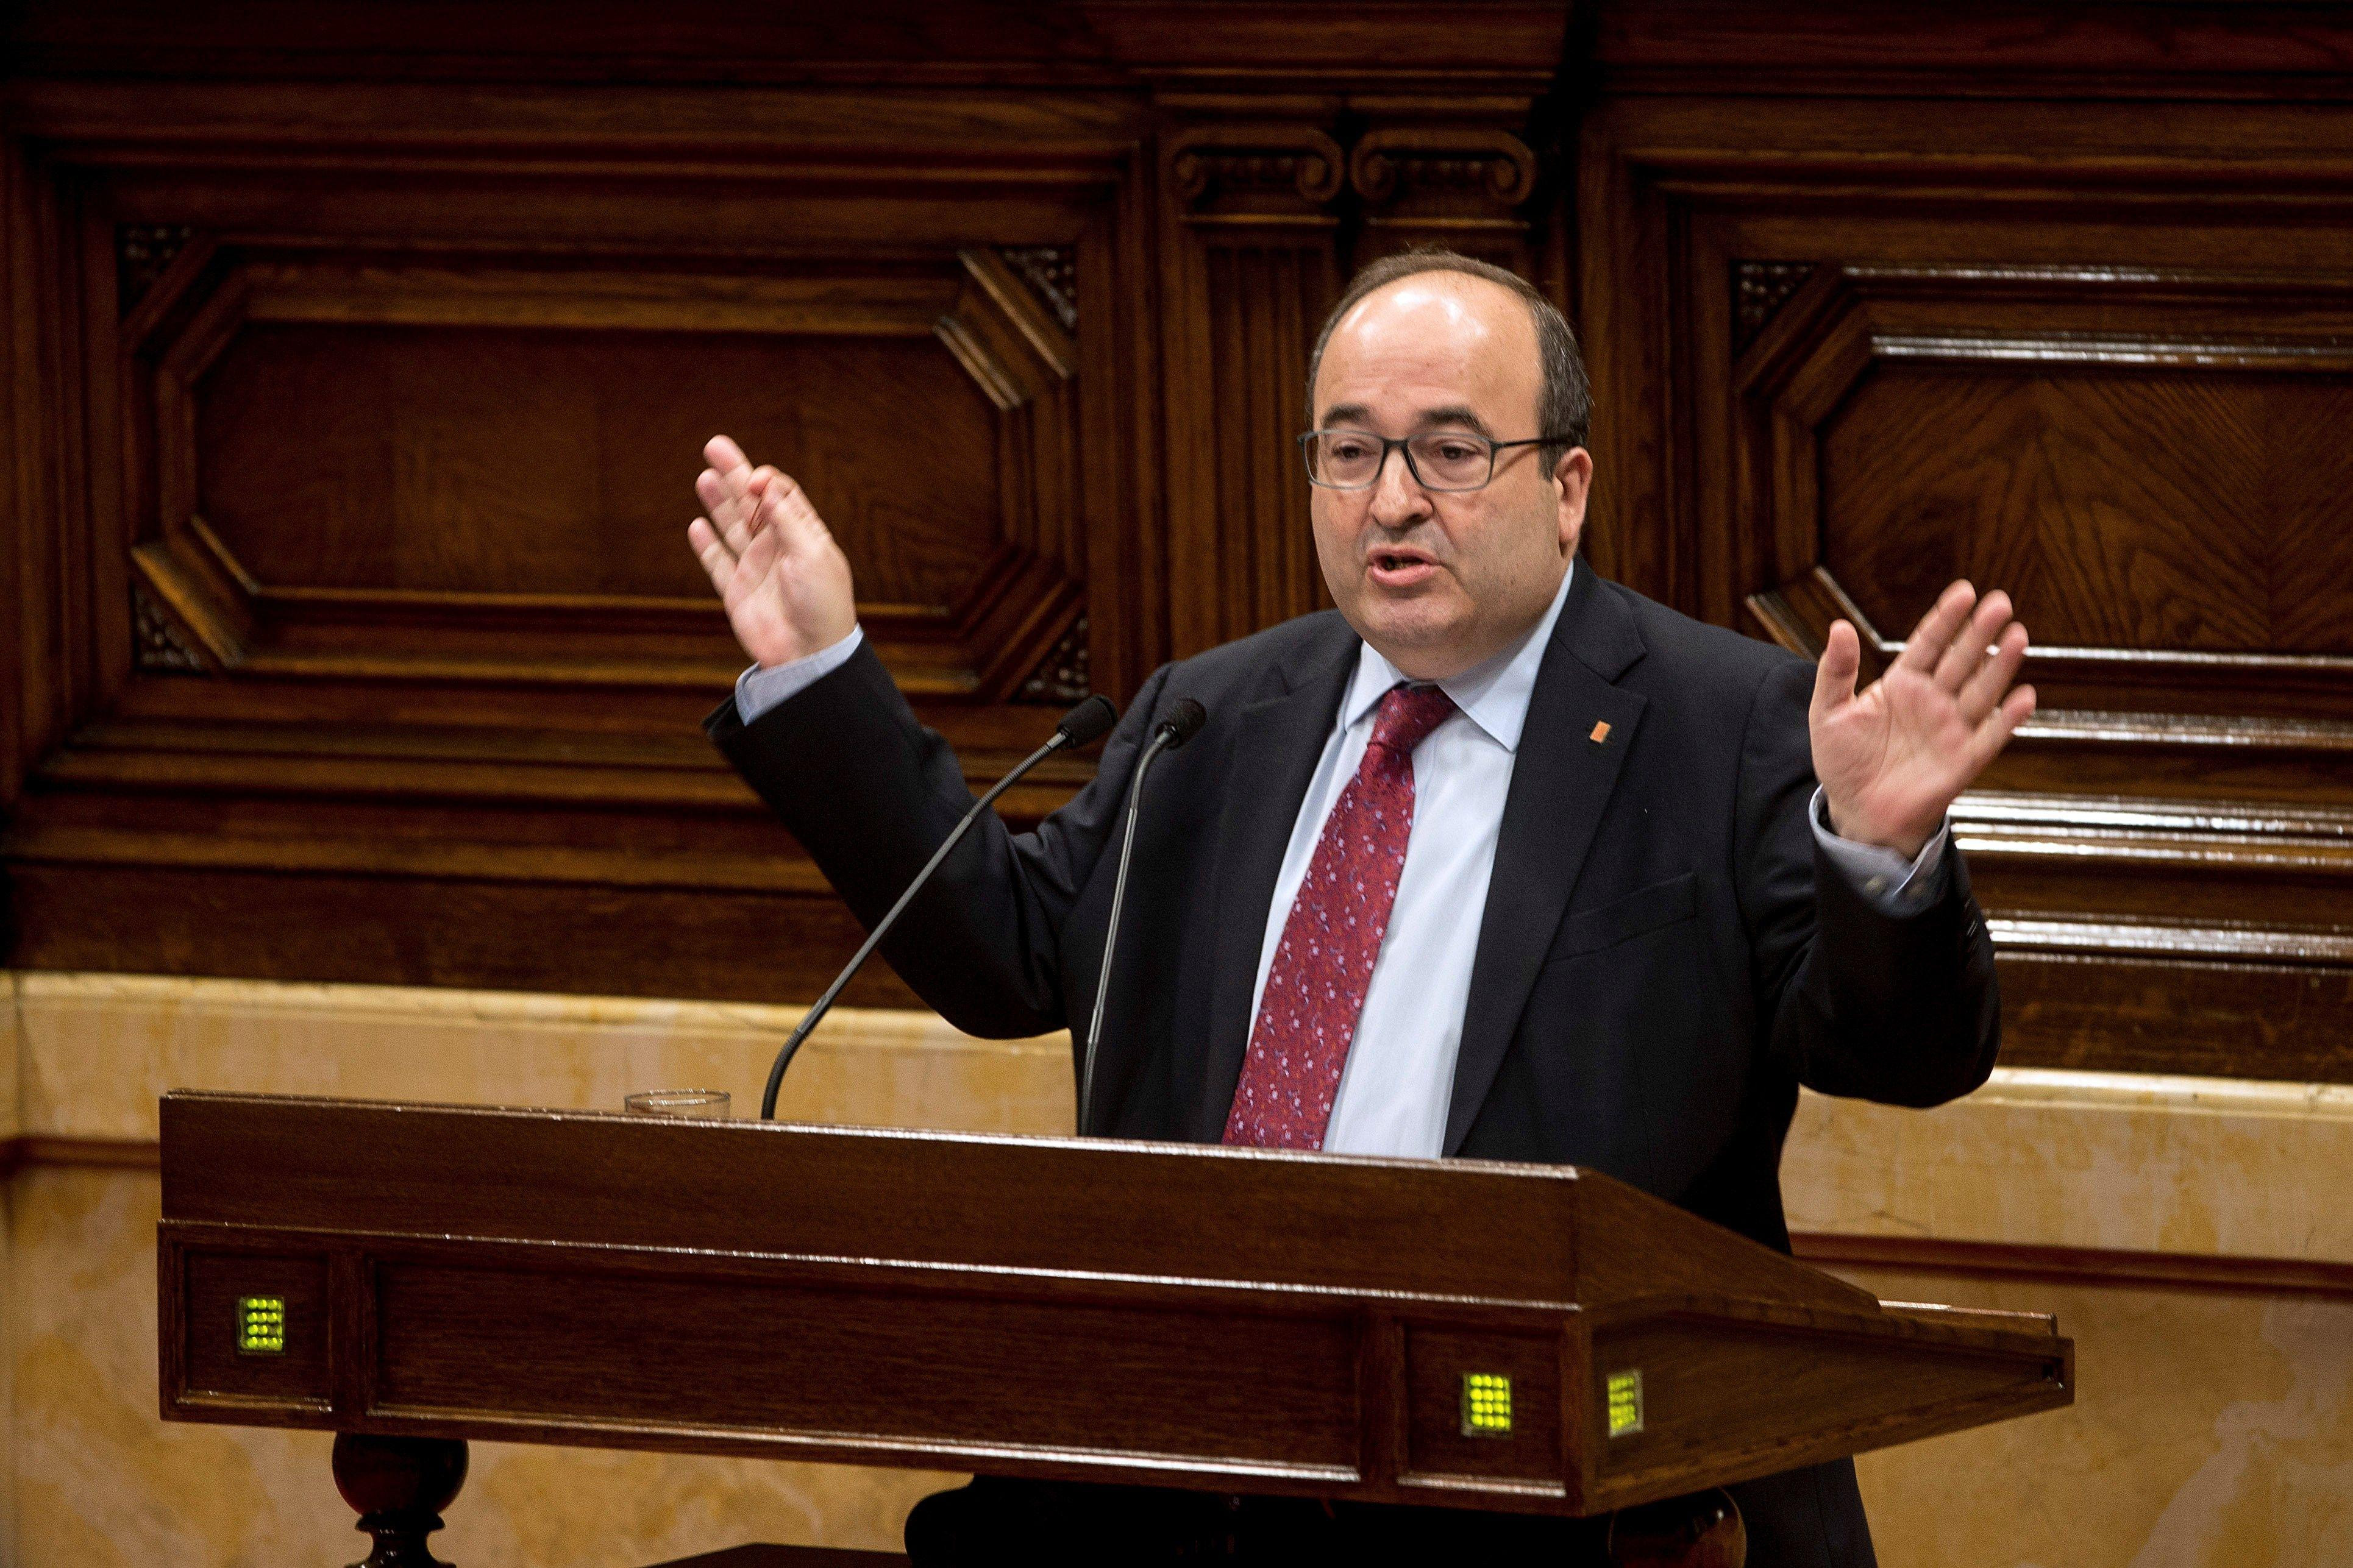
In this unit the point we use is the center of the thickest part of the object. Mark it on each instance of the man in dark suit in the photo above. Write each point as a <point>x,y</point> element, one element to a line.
<point>1498,859</point>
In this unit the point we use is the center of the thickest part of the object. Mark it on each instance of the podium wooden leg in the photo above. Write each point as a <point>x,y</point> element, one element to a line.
<point>1703,1530</point>
<point>398,1486</point>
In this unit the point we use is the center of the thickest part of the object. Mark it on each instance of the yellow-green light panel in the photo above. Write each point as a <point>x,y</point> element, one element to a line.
<point>261,1325</point>
<point>1625,1390</point>
<point>1486,1405</point>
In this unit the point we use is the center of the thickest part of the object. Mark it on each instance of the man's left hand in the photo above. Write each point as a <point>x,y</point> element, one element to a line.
<point>1892,759</point>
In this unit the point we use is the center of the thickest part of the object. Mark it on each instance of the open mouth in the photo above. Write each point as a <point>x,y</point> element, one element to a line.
<point>1400,568</point>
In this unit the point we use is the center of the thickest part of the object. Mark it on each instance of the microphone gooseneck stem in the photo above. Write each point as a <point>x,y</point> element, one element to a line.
<point>1161,740</point>
<point>883,927</point>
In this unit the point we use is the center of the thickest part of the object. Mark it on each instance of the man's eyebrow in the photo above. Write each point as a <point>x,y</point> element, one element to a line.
<point>1356,415</point>
<point>1454,414</point>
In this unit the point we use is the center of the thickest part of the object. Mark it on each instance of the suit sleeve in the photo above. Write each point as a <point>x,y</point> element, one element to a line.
<point>1856,999</point>
<point>870,794</point>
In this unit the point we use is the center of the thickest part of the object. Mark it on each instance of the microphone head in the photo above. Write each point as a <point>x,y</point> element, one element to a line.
<point>1087,722</point>
<point>1184,721</point>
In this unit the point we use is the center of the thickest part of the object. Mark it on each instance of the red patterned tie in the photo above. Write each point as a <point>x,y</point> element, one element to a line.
<point>1315,987</point>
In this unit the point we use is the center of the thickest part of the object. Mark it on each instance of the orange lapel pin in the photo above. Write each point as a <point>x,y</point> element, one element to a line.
<point>1600,731</point>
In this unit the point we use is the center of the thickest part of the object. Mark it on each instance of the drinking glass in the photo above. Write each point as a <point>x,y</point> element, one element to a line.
<point>704,1102</point>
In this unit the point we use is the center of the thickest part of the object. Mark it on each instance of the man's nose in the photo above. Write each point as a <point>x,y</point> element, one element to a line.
<point>1397,497</point>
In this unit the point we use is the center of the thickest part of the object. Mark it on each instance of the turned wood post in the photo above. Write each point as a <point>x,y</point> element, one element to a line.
<point>399,1486</point>
<point>1703,1530</point>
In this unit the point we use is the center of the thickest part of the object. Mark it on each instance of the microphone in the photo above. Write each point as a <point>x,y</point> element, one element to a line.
<point>1081,726</point>
<point>1184,720</point>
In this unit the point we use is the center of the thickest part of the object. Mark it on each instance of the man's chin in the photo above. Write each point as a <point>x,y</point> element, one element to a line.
<point>1418,638</point>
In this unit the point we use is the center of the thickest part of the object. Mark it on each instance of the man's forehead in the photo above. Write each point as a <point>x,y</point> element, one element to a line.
<point>1440,338</point>
<point>1422,306</point>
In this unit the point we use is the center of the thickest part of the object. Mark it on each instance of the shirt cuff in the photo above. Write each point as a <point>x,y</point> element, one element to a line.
<point>759,688</point>
<point>1894,885</point>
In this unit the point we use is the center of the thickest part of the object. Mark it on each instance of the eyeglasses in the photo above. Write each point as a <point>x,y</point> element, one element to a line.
<point>1439,460</point>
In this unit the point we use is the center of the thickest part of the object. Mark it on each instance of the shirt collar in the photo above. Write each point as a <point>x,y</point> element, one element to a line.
<point>1493,695</point>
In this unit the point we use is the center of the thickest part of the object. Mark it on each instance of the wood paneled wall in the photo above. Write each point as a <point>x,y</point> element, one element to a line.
<point>2061,298</point>
<point>362,358</point>
<point>358,362</point>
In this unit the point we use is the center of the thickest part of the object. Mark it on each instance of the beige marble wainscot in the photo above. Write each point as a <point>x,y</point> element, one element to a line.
<point>2210,1431</point>
<point>11,1042</point>
<point>99,1480</point>
<point>96,1050</point>
<point>2195,1237</point>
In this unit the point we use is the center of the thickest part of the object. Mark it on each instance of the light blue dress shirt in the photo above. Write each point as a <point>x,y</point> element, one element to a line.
<point>1399,1076</point>
<point>757,689</point>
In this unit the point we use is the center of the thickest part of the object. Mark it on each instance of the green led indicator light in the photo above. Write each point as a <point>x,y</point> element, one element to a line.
<point>1486,1405</point>
<point>1625,1404</point>
<point>261,1325</point>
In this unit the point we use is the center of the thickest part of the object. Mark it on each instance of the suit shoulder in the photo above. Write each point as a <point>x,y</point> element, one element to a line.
<point>1695,651</point>
<point>1302,638</point>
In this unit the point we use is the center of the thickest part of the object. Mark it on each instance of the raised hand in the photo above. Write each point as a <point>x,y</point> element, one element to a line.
<point>1892,760</point>
<point>784,582</point>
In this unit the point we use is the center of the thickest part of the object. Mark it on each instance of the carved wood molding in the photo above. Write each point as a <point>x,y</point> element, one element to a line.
<point>1463,187</point>
<point>1464,48</point>
<point>2155,937</point>
<point>2163,827</point>
<point>159,643</point>
<point>1052,273</point>
<point>1492,167</point>
<point>237,613</point>
<point>1760,289</point>
<point>2172,1012</point>
<point>2295,704</point>
<point>1468,174</point>
<point>1236,172</point>
<point>2198,51</point>
<point>1836,328</point>
<point>143,252</point>
<point>1064,678</point>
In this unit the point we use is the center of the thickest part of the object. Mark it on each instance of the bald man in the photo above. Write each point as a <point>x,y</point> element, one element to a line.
<point>1496,859</point>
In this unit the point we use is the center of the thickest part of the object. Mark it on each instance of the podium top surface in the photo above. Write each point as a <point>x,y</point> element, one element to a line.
<point>1460,1230</point>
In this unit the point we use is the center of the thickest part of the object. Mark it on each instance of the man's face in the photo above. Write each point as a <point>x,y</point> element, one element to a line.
<point>1439,580</point>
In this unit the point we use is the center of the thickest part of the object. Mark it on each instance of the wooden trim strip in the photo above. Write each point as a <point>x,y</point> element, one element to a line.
<point>2077,1265</point>
<point>88,1153</point>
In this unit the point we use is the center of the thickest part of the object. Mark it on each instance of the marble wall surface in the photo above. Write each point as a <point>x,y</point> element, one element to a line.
<point>2213,1429</point>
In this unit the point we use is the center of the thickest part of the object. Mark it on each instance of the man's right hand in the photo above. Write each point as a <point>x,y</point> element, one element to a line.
<point>784,582</point>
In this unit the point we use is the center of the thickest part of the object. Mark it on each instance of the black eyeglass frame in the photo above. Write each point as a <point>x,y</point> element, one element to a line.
<point>1401,443</point>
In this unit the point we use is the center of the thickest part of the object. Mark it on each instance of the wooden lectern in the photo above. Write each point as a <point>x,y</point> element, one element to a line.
<point>1484,1335</point>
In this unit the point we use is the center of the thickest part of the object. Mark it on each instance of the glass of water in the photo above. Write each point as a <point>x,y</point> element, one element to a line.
<point>710,1103</point>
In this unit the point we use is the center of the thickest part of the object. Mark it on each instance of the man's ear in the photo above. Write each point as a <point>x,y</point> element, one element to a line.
<point>1573,476</point>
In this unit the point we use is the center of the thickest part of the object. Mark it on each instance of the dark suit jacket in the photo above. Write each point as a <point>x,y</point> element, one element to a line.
<point>1661,960</point>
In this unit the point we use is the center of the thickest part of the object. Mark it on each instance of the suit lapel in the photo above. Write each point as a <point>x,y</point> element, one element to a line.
<point>1561,780</point>
<point>1276,748</point>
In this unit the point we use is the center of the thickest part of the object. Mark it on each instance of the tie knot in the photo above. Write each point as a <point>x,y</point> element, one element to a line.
<point>1406,715</point>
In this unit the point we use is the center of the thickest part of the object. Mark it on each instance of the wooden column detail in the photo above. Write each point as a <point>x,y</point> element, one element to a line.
<point>399,1487</point>
<point>1458,186</point>
<point>1253,264</point>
